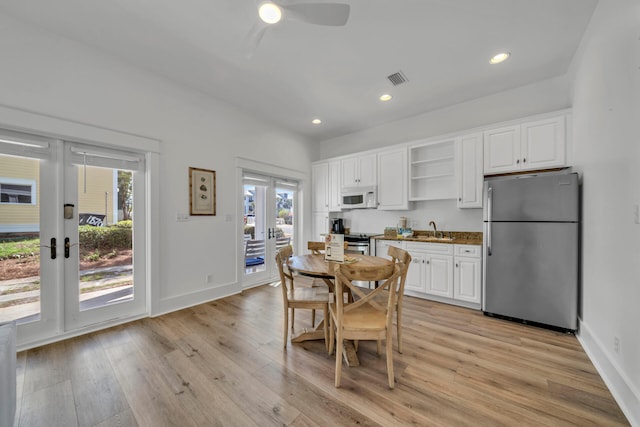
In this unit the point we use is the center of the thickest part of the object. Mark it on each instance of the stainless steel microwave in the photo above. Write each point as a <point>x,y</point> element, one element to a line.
<point>359,198</point>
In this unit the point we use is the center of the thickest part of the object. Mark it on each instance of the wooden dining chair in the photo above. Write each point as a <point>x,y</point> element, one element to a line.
<point>367,318</point>
<point>403,259</point>
<point>301,297</point>
<point>317,248</point>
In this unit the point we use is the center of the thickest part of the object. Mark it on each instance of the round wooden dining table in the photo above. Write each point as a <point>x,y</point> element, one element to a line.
<point>314,265</point>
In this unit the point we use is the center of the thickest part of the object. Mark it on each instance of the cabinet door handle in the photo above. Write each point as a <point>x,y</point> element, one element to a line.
<point>524,160</point>
<point>518,161</point>
<point>456,265</point>
<point>427,261</point>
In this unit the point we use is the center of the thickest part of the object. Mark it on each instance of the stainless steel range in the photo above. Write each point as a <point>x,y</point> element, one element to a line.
<point>359,243</point>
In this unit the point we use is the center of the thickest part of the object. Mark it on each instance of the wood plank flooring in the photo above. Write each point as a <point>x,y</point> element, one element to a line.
<point>223,364</point>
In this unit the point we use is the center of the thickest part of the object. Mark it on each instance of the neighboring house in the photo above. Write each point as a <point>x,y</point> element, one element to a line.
<point>20,194</point>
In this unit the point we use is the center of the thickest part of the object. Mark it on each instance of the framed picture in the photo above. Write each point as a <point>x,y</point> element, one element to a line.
<point>202,192</point>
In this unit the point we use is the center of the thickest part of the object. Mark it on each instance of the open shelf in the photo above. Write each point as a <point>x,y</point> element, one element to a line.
<point>432,171</point>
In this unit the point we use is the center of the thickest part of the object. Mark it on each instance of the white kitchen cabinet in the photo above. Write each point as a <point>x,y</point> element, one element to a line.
<point>432,171</point>
<point>532,145</point>
<point>320,187</point>
<point>444,272</point>
<point>382,247</point>
<point>467,275</point>
<point>415,281</point>
<point>392,180</point>
<point>359,171</point>
<point>334,187</point>
<point>469,170</point>
<point>320,225</point>
<point>433,273</point>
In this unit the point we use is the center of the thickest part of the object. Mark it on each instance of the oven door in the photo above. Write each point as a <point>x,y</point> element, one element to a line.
<point>359,248</point>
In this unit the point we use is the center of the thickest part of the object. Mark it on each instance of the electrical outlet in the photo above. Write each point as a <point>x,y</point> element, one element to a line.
<point>616,345</point>
<point>636,214</point>
<point>182,217</point>
<point>209,278</point>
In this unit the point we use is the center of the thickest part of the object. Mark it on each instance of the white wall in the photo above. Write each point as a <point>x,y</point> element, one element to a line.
<point>444,212</point>
<point>50,75</point>
<point>607,151</point>
<point>537,98</point>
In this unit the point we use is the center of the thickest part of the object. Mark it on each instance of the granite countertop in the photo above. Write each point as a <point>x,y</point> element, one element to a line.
<point>457,237</point>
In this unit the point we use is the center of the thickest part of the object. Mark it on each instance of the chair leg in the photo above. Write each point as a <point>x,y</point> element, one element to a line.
<point>338,357</point>
<point>286,325</point>
<point>293,317</point>
<point>379,347</point>
<point>399,327</point>
<point>331,335</point>
<point>390,359</point>
<point>326,327</point>
<point>313,318</point>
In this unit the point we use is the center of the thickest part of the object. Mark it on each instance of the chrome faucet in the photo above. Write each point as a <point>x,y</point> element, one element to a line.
<point>435,230</point>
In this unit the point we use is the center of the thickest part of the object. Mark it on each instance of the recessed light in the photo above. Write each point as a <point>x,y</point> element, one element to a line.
<point>385,97</point>
<point>270,13</point>
<point>316,121</point>
<point>502,56</point>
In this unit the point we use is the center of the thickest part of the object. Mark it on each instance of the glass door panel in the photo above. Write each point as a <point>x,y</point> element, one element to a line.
<point>105,237</point>
<point>269,217</point>
<point>256,228</point>
<point>28,264</point>
<point>107,189</point>
<point>20,239</point>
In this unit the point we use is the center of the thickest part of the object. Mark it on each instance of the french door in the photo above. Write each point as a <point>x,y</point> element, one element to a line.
<point>61,213</point>
<point>269,207</point>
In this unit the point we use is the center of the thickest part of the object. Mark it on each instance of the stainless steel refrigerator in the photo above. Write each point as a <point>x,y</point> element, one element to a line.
<point>531,248</point>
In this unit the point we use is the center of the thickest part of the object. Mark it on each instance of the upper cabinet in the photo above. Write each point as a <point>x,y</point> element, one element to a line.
<point>359,171</point>
<point>432,171</point>
<point>469,174</point>
<point>392,180</point>
<point>335,184</point>
<point>325,179</point>
<point>539,144</point>
<point>320,183</point>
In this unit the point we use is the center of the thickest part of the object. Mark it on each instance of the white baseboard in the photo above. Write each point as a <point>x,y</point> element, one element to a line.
<point>168,305</point>
<point>623,391</point>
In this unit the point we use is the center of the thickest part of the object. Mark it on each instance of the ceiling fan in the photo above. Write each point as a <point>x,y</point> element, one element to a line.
<point>270,13</point>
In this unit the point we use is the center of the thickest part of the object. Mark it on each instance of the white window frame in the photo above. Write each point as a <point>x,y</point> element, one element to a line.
<point>21,181</point>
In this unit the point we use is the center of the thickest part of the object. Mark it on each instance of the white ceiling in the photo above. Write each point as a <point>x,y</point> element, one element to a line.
<point>301,71</point>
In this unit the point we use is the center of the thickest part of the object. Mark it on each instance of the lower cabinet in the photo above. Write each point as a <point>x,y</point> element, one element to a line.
<point>433,273</point>
<point>467,273</point>
<point>441,272</point>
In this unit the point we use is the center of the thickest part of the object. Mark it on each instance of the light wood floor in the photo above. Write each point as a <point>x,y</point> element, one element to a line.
<point>222,363</point>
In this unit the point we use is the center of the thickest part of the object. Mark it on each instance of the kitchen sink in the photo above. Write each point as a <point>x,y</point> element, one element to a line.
<point>433,239</point>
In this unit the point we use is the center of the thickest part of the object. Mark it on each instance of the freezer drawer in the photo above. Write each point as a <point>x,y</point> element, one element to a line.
<point>531,272</point>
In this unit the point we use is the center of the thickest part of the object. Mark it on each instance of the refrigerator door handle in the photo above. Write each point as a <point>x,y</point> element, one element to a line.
<point>489,218</point>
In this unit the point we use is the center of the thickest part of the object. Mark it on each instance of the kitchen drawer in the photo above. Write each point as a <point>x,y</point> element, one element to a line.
<point>434,248</point>
<point>468,250</point>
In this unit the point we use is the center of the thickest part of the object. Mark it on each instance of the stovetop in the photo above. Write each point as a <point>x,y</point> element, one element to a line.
<point>359,237</point>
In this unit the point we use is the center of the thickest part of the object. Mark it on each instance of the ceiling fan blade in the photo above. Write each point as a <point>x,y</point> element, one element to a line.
<point>333,14</point>
<point>253,37</point>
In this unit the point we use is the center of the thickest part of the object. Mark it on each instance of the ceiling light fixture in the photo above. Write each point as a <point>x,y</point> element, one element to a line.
<point>270,13</point>
<point>503,56</point>
<point>385,97</point>
<point>316,121</point>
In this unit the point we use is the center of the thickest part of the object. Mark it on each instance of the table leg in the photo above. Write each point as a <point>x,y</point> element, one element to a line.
<point>310,334</point>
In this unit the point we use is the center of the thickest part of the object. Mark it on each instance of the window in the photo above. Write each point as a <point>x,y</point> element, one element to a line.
<point>17,191</point>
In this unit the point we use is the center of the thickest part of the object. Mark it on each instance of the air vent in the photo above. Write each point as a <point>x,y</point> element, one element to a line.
<point>397,78</point>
